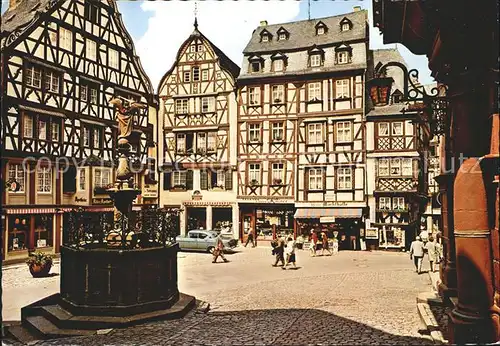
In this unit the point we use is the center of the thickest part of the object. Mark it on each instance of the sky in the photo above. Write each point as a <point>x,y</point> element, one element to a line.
<point>158,28</point>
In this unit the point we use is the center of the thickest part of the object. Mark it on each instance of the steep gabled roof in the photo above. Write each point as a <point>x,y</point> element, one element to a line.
<point>304,33</point>
<point>225,62</point>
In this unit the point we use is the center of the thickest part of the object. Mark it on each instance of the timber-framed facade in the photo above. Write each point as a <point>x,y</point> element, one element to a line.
<point>301,128</point>
<point>197,126</point>
<point>62,62</point>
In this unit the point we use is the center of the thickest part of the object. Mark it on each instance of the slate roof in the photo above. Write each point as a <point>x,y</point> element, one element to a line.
<point>387,110</point>
<point>386,55</point>
<point>303,33</point>
<point>22,14</point>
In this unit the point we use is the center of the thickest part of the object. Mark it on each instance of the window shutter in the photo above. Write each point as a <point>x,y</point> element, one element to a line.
<point>189,142</point>
<point>213,180</point>
<point>306,182</point>
<point>204,179</point>
<point>167,181</point>
<point>189,180</point>
<point>69,179</point>
<point>323,171</point>
<point>229,180</point>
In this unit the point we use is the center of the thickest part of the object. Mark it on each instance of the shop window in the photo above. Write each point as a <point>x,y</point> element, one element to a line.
<point>43,230</point>
<point>393,237</point>
<point>17,174</point>
<point>344,178</point>
<point>19,228</point>
<point>44,175</point>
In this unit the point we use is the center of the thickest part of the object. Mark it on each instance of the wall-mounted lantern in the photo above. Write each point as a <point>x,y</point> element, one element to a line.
<point>380,90</point>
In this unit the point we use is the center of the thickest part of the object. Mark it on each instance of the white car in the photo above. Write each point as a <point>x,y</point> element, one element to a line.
<point>203,240</point>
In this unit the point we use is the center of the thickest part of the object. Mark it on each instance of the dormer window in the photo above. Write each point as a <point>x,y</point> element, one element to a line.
<point>345,24</point>
<point>282,36</point>
<point>278,65</point>
<point>315,60</point>
<point>321,28</point>
<point>265,38</point>
<point>342,57</point>
<point>278,62</point>
<point>316,57</point>
<point>343,54</point>
<point>255,67</point>
<point>256,64</point>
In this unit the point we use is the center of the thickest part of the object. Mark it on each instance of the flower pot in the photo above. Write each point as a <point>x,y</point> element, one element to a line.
<point>40,271</point>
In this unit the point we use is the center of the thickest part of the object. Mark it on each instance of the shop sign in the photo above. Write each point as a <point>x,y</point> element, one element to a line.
<point>327,219</point>
<point>371,233</point>
<point>105,201</point>
<point>335,204</point>
<point>150,191</point>
<point>41,243</point>
<point>81,200</point>
<point>197,196</point>
<point>13,186</point>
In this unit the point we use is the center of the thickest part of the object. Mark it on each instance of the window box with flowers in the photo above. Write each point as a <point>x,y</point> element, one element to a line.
<point>254,182</point>
<point>178,188</point>
<point>277,182</point>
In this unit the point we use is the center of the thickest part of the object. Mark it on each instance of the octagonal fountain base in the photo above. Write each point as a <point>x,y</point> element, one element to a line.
<point>109,288</point>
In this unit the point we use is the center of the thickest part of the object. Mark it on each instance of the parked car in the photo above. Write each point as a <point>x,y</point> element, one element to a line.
<point>203,240</point>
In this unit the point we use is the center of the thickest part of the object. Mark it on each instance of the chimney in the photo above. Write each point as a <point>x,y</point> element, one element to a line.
<point>357,8</point>
<point>263,22</point>
<point>13,4</point>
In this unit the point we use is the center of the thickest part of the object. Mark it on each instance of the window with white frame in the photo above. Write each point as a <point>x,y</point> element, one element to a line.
<point>51,81</point>
<point>93,95</point>
<point>91,49</point>
<point>82,179</point>
<point>33,77</point>
<point>345,27</point>
<point>254,133</point>
<point>28,126</point>
<point>278,65</point>
<point>278,92</point>
<point>179,178</point>
<point>344,132</point>
<point>278,173</point>
<point>181,143</point>
<point>265,38</point>
<point>383,167</point>
<point>315,179</point>
<point>383,129</point>
<point>204,75</point>
<point>342,57</point>
<point>44,180</point>
<point>398,203</point>
<point>254,95</point>
<point>314,91</point>
<point>84,90</point>
<point>315,133</point>
<point>86,136</point>
<point>397,128</point>
<point>384,203</point>
<point>65,39</point>
<point>344,178</point>
<point>42,129</point>
<point>192,48</point>
<point>101,177</point>
<point>278,131</point>
<point>221,178</point>
<point>55,131</point>
<point>201,143</point>
<point>196,74</point>
<point>254,175</point>
<point>407,167</point>
<point>181,106</point>
<point>187,76</point>
<point>395,166</point>
<point>207,104</point>
<point>315,60</point>
<point>212,142</point>
<point>96,138</point>
<point>281,36</point>
<point>114,58</point>
<point>342,88</point>
<point>16,173</point>
<point>320,30</point>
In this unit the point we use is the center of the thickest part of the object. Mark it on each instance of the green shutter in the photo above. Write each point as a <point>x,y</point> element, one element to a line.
<point>189,180</point>
<point>204,179</point>
<point>167,181</point>
<point>229,180</point>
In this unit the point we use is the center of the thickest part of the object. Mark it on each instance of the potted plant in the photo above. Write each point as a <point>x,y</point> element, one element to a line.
<point>254,182</point>
<point>277,181</point>
<point>39,264</point>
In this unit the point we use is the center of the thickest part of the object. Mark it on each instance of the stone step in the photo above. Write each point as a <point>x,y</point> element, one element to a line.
<point>430,323</point>
<point>431,298</point>
<point>48,330</point>
<point>22,334</point>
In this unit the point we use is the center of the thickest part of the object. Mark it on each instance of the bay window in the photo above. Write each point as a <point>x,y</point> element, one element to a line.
<point>383,167</point>
<point>101,177</point>
<point>398,203</point>
<point>344,178</point>
<point>384,203</point>
<point>407,167</point>
<point>44,175</point>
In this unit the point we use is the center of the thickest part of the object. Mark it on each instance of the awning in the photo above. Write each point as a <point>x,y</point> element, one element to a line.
<point>11,211</point>
<point>316,213</point>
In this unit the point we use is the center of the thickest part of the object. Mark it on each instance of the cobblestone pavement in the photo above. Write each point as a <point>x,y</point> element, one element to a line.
<point>349,298</point>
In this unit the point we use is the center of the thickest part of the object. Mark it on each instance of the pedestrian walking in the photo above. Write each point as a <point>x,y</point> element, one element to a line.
<point>279,251</point>
<point>219,250</point>
<point>290,253</point>
<point>314,243</point>
<point>324,244</point>
<point>250,238</point>
<point>417,253</point>
<point>431,248</point>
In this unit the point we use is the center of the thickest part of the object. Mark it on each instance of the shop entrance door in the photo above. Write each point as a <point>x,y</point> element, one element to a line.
<point>247,224</point>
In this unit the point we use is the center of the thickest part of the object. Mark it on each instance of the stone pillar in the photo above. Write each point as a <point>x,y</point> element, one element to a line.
<point>209,218</point>
<point>236,221</point>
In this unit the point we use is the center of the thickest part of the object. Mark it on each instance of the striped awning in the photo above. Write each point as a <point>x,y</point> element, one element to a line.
<point>34,210</point>
<point>316,213</point>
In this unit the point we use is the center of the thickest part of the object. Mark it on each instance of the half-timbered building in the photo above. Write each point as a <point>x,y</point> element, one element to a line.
<point>396,160</point>
<point>301,131</point>
<point>197,126</point>
<point>62,62</point>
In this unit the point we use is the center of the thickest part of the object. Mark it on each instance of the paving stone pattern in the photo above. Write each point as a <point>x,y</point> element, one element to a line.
<point>349,298</point>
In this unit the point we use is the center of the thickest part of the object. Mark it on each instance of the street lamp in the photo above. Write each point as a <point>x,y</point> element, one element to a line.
<point>380,90</point>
